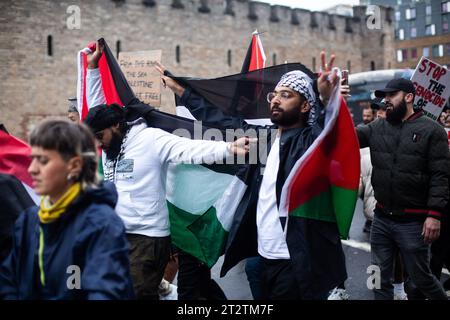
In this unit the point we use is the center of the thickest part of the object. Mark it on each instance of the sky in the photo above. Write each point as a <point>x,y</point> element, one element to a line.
<point>312,5</point>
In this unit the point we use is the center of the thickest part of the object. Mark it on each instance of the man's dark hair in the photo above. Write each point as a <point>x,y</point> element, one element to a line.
<point>104,116</point>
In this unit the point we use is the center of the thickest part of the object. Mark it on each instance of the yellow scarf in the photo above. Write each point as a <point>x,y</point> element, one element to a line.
<point>49,213</point>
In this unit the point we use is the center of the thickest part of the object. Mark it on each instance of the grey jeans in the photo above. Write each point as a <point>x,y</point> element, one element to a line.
<point>389,236</point>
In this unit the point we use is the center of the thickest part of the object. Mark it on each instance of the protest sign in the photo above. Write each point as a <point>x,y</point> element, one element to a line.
<point>432,83</point>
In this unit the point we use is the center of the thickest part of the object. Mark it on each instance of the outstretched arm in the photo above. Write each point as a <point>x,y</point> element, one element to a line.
<point>175,149</point>
<point>201,108</point>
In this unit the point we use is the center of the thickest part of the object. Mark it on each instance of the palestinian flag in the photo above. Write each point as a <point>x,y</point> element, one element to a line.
<point>323,184</point>
<point>201,200</point>
<point>15,183</point>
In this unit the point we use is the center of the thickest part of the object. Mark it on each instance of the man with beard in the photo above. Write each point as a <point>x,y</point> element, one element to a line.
<point>368,115</point>
<point>410,159</point>
<point>292,253</point>
<point>136,159</point>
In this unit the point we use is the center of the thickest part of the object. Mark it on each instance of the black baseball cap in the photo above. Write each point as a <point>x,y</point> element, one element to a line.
<point>395,85</point>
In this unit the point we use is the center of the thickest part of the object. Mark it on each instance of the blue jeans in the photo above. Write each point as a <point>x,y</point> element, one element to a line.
<point>389,236</point>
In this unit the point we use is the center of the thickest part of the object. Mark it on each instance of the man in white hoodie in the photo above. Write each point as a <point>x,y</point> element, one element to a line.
<point>136,159</point>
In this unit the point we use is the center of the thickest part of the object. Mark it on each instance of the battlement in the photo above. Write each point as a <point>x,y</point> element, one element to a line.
<point>260,12</point>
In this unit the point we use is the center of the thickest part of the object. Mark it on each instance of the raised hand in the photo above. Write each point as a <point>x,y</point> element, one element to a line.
<point>169,82</point>
<point>93,58</point>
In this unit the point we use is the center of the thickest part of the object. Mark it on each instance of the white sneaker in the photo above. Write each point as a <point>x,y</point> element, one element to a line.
<point>338,294</point>
<point>400,296</point>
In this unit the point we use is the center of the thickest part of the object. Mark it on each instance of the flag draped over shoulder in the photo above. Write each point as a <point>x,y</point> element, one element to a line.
<point>323,184</point>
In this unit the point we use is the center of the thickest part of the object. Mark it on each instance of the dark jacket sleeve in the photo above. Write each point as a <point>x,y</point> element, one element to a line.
<point>438,167</point>
<point>204,111</point>
<point>106,274</point>
<point>9,287</point>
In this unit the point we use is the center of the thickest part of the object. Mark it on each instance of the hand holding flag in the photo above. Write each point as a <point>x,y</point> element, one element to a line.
<point>93,58</point>
<point>167,81</point>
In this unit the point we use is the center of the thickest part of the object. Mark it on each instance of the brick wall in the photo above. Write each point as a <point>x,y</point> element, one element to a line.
<point>36,85</point>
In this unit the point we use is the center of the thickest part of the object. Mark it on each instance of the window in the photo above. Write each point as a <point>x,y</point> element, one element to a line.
<point>229,58</point>
<point>426,52</point>
<point>49,46</point>
<point>447,49</point>
<point>445,6</point>
<point>413,53</point>
<point>430,30</point>
<point>398,15</point>
<point>445,19</point>
<point>372,65</point>
<point>413,32</point>
<point>314,64</point>
<point>274,59</point>
<point>399,56</point>
<point>401,34</point>
<point>405,54</point>
<point>410,13</point>
<point>438,50</point>
<point>349,66</point>
<point>428,10</point>
<point>177,54</point>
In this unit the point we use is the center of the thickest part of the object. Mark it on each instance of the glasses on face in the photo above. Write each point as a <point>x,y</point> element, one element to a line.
<point>283,95</point>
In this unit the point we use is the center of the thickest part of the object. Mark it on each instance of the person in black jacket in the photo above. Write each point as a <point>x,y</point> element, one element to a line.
<point>410,159</point>
<point>302,259</point>
<point>73,245</point>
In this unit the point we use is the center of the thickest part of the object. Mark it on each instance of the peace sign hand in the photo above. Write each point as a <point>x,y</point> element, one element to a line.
<point>328,78</point>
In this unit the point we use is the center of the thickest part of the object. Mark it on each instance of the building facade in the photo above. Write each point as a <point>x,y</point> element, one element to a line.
<point>421,29</point>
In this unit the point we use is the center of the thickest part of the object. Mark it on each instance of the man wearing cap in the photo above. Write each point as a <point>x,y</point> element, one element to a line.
<point>136,159</point>
<point>303,258</point>
<point>410,161</point>
<point>72,112</point>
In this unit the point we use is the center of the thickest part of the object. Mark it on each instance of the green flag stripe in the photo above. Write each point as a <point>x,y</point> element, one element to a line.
<point>320,207</point>
<point>202,236</point>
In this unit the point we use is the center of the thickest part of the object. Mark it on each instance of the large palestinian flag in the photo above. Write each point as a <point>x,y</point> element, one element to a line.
<point>201,199</point>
